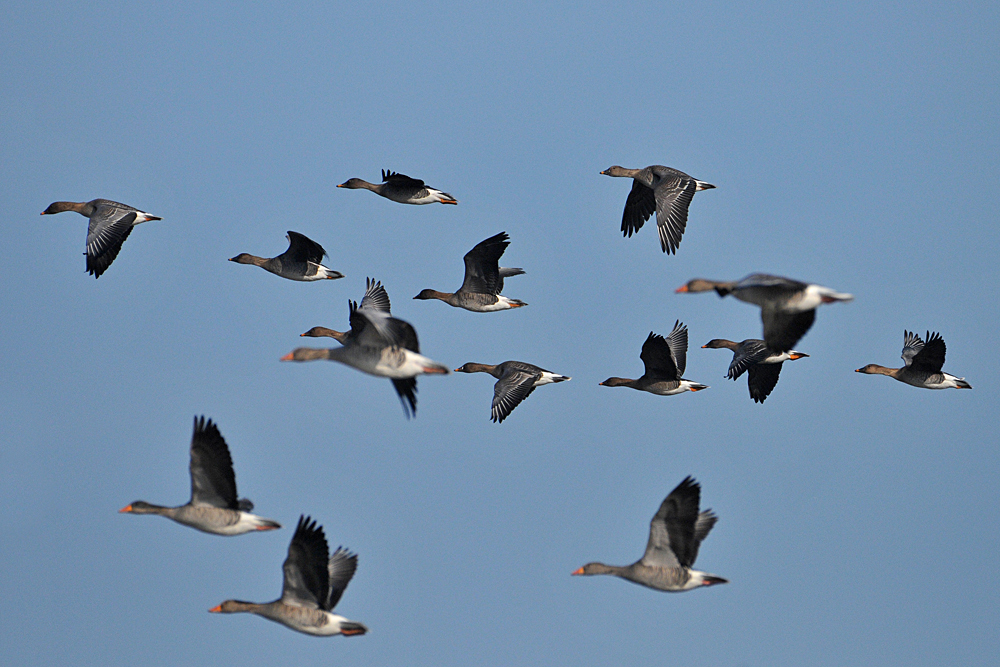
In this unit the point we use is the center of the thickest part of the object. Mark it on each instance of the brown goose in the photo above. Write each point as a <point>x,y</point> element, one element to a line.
<point>515,382</point>
<point>664,190</point>
<point>923,364</point>
<point>761,364</point>
<point>213,507</point>
<point>675,533</point>
<point>300,262</point>
<point>480,292</point>
<point>665,360</point>
<point>314,582</point>
<point>110,225</point>
<point>787,307</point>
<point>402,189</point>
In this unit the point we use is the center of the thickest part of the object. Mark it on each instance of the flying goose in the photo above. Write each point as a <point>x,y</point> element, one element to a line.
<point>213,507</point>
<point>675,533</point>
<point>375,298</point>
<point>402,189</point>
<point>300,262</point>
<point>515,382</point>
<point>110,224</point>
<point>313,584</point>
<point>761,364</point>
<point>480,292</point>
<point>379,345</point>
<point>664,190</point>
<point>923,364</point>
<point>664,360</point>
<point>787,307</point>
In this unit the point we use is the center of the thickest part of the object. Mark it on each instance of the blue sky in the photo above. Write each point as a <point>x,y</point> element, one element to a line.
<point>851,145</point>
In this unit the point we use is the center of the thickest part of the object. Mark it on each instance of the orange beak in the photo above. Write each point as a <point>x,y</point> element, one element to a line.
<point>681,289</point>
<point>576,572</point>
<point>287,357</point>
<point>216,609</point>
<point>126,509</point>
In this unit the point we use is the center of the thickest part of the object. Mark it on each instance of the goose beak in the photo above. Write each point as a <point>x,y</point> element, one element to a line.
<point>681,289</point>
<point>125,510</point>
<point>578,571</point>
<point>217,609</point>
<point>287,357</point>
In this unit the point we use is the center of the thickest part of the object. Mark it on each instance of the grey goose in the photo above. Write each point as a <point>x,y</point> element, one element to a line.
<point>663,190</point>
<point>313,583</point>
<point>787,307</point>
<point>110,224</point>
<point>214,507</point>
<point>675,533</point>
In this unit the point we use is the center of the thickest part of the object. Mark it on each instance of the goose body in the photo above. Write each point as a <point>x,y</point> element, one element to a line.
<point>665,360</point>
<point>515,382</point>
<point>663,190</point>
<point>480,291</point>
<point>214,507</point>
<point>675,534</point>
<point>787,307</point>
<point>761,364</point>
<point>377,344</point>
<point>313,583</point>
<point>302,261</point>
<point>402,189</point>
<point>923,363</point>
<point>110,224</point>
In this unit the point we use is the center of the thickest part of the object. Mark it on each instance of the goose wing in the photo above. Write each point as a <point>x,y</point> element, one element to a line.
<point>673,197</point>
<point>482,268</point>
<point>782,330</point>
<point>657,358</point>
<point>672,536</point>
<point>375,297</point>
<point>513,387</point>
<point>912,344</point>
<point>109,227</point>
<point>213,482</point>
<point>307,577</point>
<point>761,380</point>
<point>749,352</point>
<point>641,204</point>
<point>301,248</point>
<point>341,568</point>
<point>931,357</point>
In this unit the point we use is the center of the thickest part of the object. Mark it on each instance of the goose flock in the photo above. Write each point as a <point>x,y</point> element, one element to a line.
<point>380,344</point>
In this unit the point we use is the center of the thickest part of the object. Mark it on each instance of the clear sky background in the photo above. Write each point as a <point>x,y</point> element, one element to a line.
<point>854,145</point>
